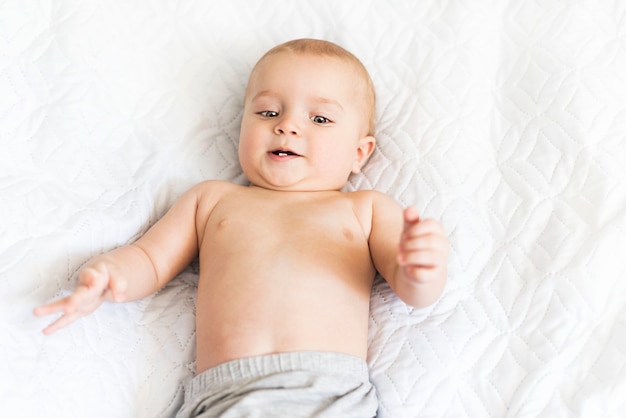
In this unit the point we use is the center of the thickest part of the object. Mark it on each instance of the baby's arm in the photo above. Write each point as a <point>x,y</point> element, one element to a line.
<point>133,271</point>
<point>416,267</point>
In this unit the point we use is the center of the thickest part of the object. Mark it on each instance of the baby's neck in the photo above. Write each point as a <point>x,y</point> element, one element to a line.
<point>292,192</point>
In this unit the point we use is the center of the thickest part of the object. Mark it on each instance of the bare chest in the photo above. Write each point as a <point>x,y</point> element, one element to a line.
<point>286,222</point>
<point>321,235</point>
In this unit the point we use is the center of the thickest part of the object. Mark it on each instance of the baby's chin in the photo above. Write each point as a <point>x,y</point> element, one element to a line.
<point>286,184</point>
<point>295,188</point>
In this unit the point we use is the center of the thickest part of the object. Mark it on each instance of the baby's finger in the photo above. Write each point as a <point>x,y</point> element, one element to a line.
<point>94,279</point>
<point>424,227</point>
<point>83,301</point>
<point>83,297</point>
<point>426,242</point>
<point>60,323</point>
<point>51,308</point>
<point>422,258</point>
<point>411,216</point>
<point>422,274</point>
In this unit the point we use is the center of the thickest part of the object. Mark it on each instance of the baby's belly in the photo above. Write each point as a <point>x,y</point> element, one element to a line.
<point>248,315</point>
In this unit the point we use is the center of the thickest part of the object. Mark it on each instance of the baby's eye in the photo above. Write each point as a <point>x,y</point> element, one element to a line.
<point>320,119</point>
<point>268,114</point>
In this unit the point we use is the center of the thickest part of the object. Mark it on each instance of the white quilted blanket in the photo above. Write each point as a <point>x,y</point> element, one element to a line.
<point>506,120</point>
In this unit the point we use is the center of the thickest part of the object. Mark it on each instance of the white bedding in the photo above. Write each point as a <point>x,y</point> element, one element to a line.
<point>506,120</point>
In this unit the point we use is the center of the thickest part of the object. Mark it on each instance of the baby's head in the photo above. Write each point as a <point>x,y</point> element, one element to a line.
<point>308,117</point>
<point>321,48</point>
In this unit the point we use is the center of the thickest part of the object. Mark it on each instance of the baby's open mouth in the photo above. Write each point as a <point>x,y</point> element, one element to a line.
<point>283,153</point>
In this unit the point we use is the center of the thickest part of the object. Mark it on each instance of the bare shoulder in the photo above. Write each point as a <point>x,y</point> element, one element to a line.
<point>205,195</point>
<point>213,186</point>
<point>372,206</point>
<point>210,192</point>
<point>371,199</point>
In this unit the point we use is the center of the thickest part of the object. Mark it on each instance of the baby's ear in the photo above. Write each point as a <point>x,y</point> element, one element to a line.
<point>364,150</point>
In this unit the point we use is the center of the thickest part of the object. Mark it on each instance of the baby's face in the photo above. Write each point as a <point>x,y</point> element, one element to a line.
<point>304,126</point>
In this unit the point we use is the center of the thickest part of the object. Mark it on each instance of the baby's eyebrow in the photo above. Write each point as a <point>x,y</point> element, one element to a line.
<point>325,100</point>
<point>316,99</point>
<point>264,93</point>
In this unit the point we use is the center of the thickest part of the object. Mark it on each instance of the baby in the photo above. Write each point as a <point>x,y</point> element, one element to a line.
<point>286,263</point>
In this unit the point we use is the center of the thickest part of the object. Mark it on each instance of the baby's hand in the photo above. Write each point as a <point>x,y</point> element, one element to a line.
<point>423,250</point>
<point>95,284</point>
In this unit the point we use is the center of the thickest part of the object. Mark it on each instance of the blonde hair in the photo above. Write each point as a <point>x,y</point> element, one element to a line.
<point>325,48</point>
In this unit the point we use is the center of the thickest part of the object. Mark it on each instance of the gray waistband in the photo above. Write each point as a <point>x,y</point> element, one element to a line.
<point>236,371</point>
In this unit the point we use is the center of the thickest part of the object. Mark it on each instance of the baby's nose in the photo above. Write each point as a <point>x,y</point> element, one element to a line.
<point>287,126</point>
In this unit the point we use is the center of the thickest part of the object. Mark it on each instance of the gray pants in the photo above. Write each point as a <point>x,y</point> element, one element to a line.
<point>302,384</point>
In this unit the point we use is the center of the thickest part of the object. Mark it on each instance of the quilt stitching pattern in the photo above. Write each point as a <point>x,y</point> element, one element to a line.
<point>505,120</point>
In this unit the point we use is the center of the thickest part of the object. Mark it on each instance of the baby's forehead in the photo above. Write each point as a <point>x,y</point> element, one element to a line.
<point>288,57</point>
<point>352,73</point>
